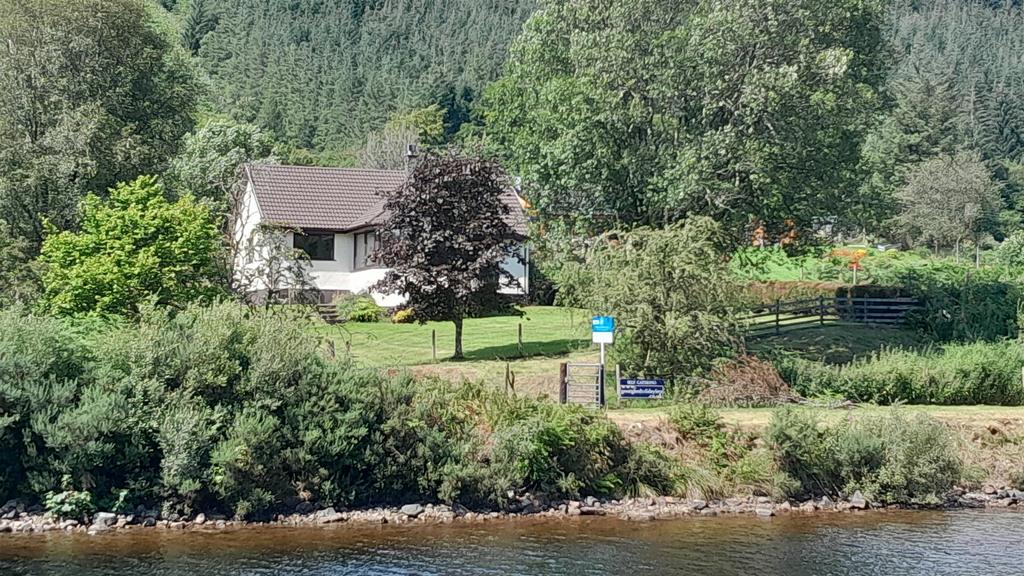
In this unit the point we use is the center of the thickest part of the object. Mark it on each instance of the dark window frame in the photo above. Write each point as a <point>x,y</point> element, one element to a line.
<point>361,236</point>
<point>325,239</point>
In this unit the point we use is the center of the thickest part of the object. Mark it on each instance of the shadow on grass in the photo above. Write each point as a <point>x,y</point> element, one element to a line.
<point>841,344</point>
<point>530,349</point>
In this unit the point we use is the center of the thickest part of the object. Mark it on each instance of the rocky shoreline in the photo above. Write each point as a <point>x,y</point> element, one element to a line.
<point>16,517</point>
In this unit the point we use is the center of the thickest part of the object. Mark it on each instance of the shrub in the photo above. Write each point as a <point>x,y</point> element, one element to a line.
<point>358,308</point>
<point>403,316</point>
<point>671,294</point>
<point>69,504</point>
<point>977,373</point>
<point>891,458</point>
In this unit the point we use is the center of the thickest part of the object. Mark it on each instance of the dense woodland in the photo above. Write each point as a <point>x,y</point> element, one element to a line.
<point>794,123</point>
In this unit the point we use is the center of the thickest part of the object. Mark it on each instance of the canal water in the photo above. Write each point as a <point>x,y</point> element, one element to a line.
<point>987,543</point>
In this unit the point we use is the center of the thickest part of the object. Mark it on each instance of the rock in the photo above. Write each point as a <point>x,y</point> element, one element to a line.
<point>989,489</point>
<point>149,521</point>
<point>765,512</point>
<point>857,501</point>
<point>412,510</point>
<point>826,503</point>
<point>200,519</point>
<point>808,506</point>
<point>699,504</point>
<point>785,507</point>
<point>591,501</point>
<point>592,511</point>
<point>709,512</point>
<point>105,518</point>
<point>9,515</point>
<point>178,525</point>
<point>328,516</point>
<point>305,508</point>
<point>97,528</point>
<point>764,500</point>
<point>575,504</point>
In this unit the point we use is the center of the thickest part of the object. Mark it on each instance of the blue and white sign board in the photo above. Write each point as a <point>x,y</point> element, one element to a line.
<point>603,329</point>
<point>641,388</point>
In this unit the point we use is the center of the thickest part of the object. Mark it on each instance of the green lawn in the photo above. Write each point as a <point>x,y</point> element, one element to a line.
<point>551,335</point>
<point>547,331</point>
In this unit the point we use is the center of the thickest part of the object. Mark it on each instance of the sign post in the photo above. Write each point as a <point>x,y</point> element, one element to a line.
<point>603,330</point>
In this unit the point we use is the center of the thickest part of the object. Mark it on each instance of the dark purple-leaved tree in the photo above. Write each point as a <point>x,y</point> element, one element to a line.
<point>445,237</point>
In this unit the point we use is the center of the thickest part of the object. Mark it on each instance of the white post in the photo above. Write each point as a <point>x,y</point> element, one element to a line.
<point>602,354</point>
<point>618,381</point>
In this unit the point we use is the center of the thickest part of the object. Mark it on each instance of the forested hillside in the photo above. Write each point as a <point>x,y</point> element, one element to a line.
<point>321,74</point>
<point>957,83</point>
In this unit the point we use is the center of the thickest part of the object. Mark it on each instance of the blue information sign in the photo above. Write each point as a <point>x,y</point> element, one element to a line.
<point>602,324</point>
<point>641,388</point>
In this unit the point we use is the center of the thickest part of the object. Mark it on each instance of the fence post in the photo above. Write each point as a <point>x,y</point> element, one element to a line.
<point>520,339</point>
<point>433,343</point>
<point>777,307</point>
<point>563,383</point>
<point>821,310</point>
<point>618,380</point>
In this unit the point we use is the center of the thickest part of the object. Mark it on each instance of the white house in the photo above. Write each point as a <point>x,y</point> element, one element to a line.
<point>337,211</point>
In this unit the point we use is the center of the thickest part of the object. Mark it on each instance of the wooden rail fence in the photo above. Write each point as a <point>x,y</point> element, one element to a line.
<point>785,315</point>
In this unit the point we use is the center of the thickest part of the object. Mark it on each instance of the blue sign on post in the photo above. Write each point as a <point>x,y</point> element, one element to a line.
<point>602,324</point>
<point>641,389</point>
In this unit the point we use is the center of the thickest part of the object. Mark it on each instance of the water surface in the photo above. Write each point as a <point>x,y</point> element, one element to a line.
<point>980,543</point>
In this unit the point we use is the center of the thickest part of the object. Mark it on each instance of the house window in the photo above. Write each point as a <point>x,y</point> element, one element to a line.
<point>319,245</point>
<point>366,245</point>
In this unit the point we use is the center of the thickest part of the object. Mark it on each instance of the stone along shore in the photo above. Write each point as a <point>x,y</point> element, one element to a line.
<point>16,517</point>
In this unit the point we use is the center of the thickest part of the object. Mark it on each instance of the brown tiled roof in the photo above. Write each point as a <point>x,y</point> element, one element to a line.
<point>339,199</point>
<point>323,198</point>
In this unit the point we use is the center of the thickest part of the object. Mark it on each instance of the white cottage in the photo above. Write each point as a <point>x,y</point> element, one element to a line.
<point>337,211</point>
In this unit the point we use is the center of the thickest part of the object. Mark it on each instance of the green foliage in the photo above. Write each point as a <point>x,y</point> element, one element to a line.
<point>234,408</point>
<point>278,65</point>
<point>207,166</point>
<point>19,276</point>
<point>976,373</point>
<point>358,308</point>
<point>636,110</point>
<point>110,100</point>
<point>135,247</point>
<point>959,303</point>
<point>69,504</point>
<point>949,199</point>
<point>670,293</point>
<point>1011,250</point>
<point>892,458</point>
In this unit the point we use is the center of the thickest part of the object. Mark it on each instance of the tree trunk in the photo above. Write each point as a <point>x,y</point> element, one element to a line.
<point>458,339</point>
<point>977,252</point>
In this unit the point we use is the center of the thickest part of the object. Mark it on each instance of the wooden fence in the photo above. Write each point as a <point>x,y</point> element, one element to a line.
<point>785,315</point>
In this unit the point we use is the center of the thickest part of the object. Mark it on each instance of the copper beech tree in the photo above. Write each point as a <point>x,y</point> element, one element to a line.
<point>445,238</point>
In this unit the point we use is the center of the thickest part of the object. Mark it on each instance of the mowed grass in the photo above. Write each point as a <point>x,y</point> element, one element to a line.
<point>547,331</point>
<point>551,335</point>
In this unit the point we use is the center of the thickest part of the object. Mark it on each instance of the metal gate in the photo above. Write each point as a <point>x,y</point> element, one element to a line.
<point>582,384</point>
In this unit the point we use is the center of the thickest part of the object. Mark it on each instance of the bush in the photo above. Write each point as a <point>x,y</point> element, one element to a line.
<point>404,316</point>
<point>236,409</point>
<point>890,458</point>
<point>977,373</point>
<point>358,308</point>
<point>69,504</point>
<point>670,292</point>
